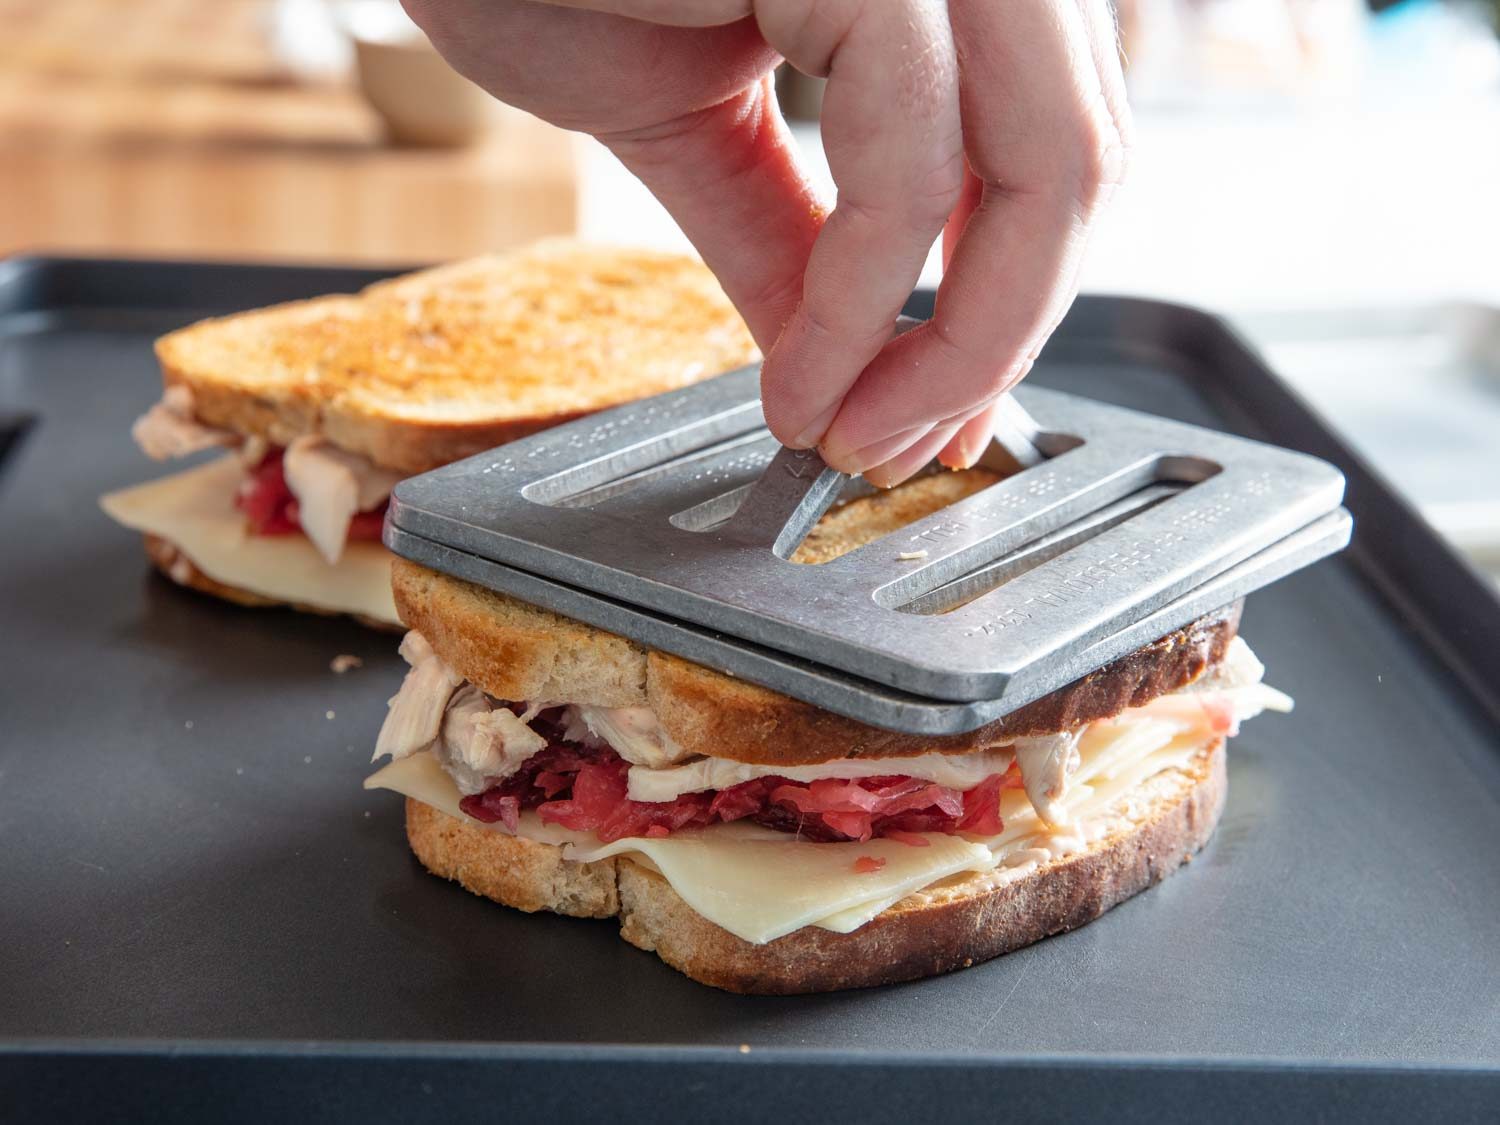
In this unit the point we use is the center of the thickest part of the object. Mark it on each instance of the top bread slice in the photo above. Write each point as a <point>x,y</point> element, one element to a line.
<point>433,366</point>
<point>515,651</point>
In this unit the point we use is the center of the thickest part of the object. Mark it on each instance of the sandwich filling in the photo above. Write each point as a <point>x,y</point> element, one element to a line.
<point>310,487</point>
<point>616,774</point>
<point>572,778</point>
<point>297,524</point>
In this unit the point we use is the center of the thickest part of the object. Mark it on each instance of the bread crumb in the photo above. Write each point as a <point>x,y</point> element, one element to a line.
<point>909,556</point>
<point>343,662</point>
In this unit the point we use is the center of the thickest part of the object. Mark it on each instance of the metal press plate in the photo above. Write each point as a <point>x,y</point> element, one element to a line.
<point>683,506</point>
<point>865,700</point>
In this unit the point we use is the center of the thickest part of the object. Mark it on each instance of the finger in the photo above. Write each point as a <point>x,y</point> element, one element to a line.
<point>1040,138</point>
<point>731,177</point>
<point>891,131</point>
<point>675,13</point>
<point>621,73</point>
<point>971,440</point>
<point>897,445</point>
<point>913,459</point>
<point>882,451</point>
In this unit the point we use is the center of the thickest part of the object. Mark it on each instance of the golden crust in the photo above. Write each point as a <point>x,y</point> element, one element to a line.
<point>519,873</point>
<point>958,923</point>
<point>425,369</point>
<point>516,651</point>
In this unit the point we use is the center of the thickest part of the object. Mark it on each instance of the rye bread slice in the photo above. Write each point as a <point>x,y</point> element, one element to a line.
<point>427,368</point>
<point>952,925</point>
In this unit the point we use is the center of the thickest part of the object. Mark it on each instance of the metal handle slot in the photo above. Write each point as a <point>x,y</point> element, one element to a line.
<point>695,477</point>
<point>1157,555</point>
<point>622,455</point>
<point>976,583</point>
<point>991,524</point>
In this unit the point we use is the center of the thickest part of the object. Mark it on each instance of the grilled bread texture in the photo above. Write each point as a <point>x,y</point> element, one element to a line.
<point>434,366</point>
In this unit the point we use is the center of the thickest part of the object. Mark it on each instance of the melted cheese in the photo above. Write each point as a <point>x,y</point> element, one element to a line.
<point>759,884</point>
<point>194,511</point>
<point>956,771</point>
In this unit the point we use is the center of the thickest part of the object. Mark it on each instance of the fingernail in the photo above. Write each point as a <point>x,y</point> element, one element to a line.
<point>839,456</point>
<point>963,459</point>
<point>813,433</point>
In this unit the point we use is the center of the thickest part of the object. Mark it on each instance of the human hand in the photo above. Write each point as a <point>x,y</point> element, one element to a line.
<point>1001,124</point>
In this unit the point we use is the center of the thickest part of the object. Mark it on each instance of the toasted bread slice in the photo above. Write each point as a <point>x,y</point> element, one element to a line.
<point>425,369</point>
<point>956,923</point>
<point>515,651</point>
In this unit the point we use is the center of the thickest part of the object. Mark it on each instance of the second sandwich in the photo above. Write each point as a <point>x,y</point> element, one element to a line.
<point>324,405</point>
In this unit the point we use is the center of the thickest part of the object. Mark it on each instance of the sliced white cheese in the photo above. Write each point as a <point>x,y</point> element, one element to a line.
<point>760,888</point>
<point>1116,762</point>
<point>756,883</point>
<point>194,510</point>
<point>419,777</point>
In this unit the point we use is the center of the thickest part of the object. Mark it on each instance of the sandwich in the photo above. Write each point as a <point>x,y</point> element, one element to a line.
<point>318,408</point>
<point>761,844</point>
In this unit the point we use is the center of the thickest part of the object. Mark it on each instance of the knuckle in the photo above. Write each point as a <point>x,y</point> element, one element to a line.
<point>1102,158</point>
<point>983,377</point>
<point>941,187</point>
<point>923,202</point>
<point>832,324</point>
<point>777,294</point>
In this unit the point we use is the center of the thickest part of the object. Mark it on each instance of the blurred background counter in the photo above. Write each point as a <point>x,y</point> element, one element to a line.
<point>235,129</point>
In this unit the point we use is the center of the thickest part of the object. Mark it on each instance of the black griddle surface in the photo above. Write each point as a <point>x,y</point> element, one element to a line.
<point>190,859</point>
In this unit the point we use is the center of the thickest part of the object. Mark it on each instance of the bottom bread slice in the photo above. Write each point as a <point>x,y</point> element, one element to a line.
<point>168,558</point>
<point>952,925</point>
